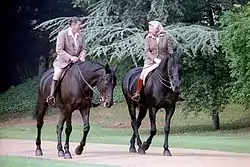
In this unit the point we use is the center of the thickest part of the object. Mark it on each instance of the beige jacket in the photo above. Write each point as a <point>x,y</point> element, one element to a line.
<point>163,49</point>
<point>65,48</point>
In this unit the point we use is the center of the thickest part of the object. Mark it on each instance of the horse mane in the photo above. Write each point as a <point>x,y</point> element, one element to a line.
<point>90,65</point>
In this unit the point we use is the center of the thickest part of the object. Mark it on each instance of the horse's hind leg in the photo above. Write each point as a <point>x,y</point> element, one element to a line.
<point>169,114</point>
<point>86,128</point>
<point>132,113</point>
<point>136,123</point>
<point>152,117</point>
<point>140,117</point>
<point>59,129</point>
<point>40,112</point>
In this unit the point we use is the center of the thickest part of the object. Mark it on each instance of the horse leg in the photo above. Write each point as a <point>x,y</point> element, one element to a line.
<point>152,117</point>
<point>86,128</point>
<point>68,130</point>
<point>132,113</point>
<point>40,112</point>
<point>168,117</point>
<point>59,129</point>
<point>141,116</point>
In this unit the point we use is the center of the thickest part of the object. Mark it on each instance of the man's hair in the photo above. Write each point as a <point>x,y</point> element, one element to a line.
<point>74,20</point>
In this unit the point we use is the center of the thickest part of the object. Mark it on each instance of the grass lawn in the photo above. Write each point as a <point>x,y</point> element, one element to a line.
<point>8,161</point>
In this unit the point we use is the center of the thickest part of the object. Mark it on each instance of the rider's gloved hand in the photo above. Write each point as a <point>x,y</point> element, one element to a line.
<point>158,61</point>
<point>74,59</point>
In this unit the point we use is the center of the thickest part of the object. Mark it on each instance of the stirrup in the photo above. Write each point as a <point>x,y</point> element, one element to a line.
<point>136,97</point>
<point>51,99</point>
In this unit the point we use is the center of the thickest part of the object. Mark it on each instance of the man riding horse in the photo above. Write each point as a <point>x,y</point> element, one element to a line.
<point>70,48</point>
<point>157,47</point>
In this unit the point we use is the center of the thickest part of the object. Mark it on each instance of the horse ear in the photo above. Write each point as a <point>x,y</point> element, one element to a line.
<point>107,68</point>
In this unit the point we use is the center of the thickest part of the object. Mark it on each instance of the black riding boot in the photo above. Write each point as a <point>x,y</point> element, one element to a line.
<point>51,98</point>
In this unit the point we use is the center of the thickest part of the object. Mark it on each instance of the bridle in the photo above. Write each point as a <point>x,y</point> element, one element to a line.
<point>166,83</point>
<point>97,93</point>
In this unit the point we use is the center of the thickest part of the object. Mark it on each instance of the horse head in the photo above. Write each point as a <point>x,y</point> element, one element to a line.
<point>106,85</point>
<point>172,67</point>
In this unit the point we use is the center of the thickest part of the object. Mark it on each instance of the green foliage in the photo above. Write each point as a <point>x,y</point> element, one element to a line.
<point>235,37</point>
<point>19,99</point>
<point>206,84</point>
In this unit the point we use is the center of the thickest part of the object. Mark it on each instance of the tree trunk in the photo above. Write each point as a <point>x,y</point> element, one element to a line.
<point>216,120</point>
<point>211,17</point>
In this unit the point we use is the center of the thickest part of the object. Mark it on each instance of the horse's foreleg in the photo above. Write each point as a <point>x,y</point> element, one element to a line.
<point>41,109</point>
<point>86,128</point>
<point>59,129</point>
<point>152,117</point>
<point>68,130</point>
<point>168,117</point>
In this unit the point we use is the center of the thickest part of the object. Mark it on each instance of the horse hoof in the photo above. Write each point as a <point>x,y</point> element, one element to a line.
<point>60,153</point>
<point>167,153</point>
<point>78,150</point>
<point>67,155</point>
<point>141,151</point>
<point>39,152</point>
<point>132,150</point>
<point>145,146</point>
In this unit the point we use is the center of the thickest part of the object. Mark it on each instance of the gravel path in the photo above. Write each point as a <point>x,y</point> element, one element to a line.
<point>118,155</point>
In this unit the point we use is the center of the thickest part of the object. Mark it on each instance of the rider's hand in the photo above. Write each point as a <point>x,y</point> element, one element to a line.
<point>158,61</point>
<point>74,59</point>
<point>82,59</point>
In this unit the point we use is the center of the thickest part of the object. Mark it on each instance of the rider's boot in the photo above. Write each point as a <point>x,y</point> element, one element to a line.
<point>51,98</point>
<point>136,96</point>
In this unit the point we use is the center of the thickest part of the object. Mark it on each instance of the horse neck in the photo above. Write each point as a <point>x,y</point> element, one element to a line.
<point>91,75</point>
<point>163,69</point>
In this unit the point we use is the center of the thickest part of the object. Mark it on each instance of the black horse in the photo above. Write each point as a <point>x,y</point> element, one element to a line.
<point>75,92</point>
<point>160,91</point>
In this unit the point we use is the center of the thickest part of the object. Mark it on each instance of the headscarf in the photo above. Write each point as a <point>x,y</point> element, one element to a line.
<point>156,24</point>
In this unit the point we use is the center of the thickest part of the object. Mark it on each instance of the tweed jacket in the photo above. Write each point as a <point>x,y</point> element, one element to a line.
<point>66,47</point>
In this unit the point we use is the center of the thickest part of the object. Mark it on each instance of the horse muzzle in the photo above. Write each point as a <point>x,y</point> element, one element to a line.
<point>106,102</point>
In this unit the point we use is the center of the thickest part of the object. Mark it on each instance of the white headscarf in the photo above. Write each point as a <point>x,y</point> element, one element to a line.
<point>156,24</point>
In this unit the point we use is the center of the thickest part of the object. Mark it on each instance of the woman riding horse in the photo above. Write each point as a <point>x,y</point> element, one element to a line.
<point>157,47</point>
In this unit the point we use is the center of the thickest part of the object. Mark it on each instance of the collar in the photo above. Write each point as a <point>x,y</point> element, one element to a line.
<point>154,37</point>
<point>70,33</point>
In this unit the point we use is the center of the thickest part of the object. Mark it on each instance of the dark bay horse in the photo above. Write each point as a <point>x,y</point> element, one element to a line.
<point>75,92</point>
<point>160,91</point>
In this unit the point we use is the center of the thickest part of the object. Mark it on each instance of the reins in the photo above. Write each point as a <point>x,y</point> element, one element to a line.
<point>95,92</point>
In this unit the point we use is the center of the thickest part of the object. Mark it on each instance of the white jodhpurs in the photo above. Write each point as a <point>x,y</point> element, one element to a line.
<point>146,70</point>
<point>57,73</point>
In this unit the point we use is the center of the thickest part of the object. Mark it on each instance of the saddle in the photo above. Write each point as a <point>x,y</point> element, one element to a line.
<point>65,69</point>
<point>148,76</point>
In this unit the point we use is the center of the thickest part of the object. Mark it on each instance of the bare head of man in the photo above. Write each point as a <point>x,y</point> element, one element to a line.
<point>75,24</point>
